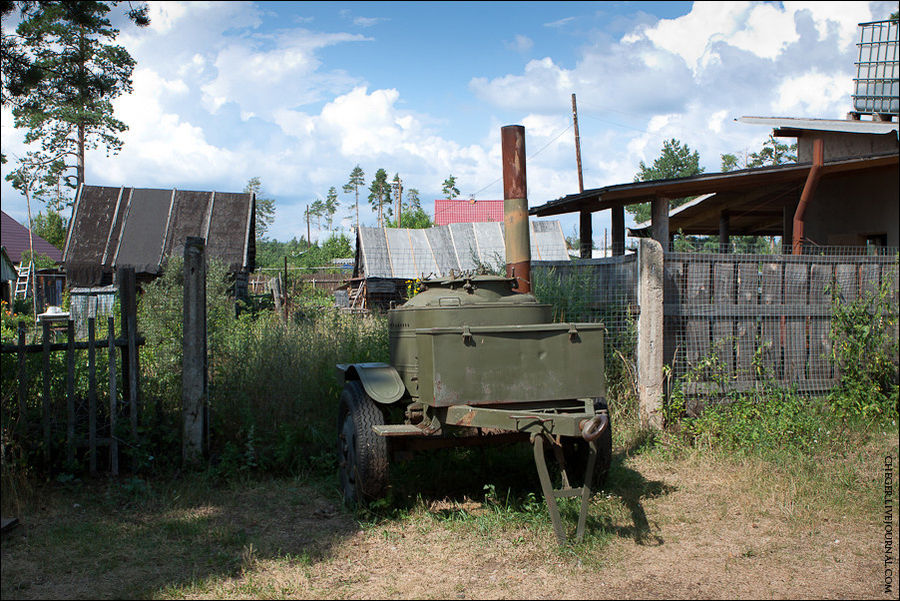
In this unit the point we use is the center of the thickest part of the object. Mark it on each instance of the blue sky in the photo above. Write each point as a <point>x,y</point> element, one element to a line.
<point>299,93</point>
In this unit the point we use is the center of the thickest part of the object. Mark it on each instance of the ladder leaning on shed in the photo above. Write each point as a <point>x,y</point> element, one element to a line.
<point>22,282</point>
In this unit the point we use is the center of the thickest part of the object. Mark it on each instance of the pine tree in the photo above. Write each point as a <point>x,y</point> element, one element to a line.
<point>331,205</point>
<point>676,160</point>
<point>265,208</point>
<point>379,192</point>
<point>449,188</point>
<point>76,72</point>
<point>357,179</point>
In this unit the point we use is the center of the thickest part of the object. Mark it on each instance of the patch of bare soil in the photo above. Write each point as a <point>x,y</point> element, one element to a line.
<point>704,536</point>
<point>695,529</point>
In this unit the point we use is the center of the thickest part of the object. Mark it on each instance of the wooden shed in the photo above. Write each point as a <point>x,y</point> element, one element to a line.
<point>141,227</point>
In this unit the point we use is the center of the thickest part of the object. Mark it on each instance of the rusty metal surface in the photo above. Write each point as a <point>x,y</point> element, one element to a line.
<point>515,206</point>
<point>809,190</point>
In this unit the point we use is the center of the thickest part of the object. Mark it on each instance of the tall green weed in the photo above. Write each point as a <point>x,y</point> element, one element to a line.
<point>865,351</point>
<point>273,386</point>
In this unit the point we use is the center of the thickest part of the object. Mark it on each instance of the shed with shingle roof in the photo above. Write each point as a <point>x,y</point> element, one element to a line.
<point>141,227</point>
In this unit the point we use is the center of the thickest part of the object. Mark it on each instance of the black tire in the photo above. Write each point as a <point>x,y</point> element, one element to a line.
<point>362,454</point>
<point>575,451</point>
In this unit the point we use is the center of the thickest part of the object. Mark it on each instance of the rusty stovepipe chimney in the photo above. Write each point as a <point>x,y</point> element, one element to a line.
<point>812,180</point>
<point>515,207</point>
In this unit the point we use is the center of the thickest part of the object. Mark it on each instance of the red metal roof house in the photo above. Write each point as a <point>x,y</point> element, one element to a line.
<point>447,211</point>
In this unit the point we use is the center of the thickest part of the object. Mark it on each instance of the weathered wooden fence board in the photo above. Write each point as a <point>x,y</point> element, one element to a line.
<point>79,422</point>
<point>771,312</point>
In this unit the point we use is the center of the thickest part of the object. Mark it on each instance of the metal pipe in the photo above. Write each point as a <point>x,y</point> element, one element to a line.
<point>515,207</point>
<point>812,180</point>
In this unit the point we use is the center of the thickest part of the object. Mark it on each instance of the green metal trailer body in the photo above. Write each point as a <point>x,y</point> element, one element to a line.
<point>495,365</point>
<point>470,357</point>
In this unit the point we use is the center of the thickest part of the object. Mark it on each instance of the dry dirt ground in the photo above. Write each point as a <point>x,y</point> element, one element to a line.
<point>693,528</point>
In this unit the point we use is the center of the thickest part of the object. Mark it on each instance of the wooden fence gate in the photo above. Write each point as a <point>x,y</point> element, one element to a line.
<point>88,423</point>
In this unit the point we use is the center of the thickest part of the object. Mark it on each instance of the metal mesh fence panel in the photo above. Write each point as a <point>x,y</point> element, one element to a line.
<point>598,290</point>
<point>736,322</point>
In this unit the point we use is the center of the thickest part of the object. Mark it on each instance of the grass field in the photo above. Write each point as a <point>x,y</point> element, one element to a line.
<point>672,522</point>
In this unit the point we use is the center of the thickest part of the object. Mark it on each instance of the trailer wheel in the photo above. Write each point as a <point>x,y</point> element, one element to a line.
<point>362,454</point>
<point>575,450</point>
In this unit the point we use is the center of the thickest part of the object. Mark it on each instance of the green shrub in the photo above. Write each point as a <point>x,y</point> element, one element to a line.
<point>865,350</point>
<point>772,421</point>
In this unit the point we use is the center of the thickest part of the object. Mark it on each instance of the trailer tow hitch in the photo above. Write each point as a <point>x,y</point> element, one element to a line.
<point>552,494</point>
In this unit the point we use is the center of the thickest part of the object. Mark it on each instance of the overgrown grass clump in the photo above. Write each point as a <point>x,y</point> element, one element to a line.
<point>273,385</point>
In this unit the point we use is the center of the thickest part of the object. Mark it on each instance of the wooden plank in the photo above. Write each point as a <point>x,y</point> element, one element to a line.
<point>23,381</point>
<point>746,326</point>
<point>698,289</point>
<point>723,330</point>
<point>113,400</point>
<point>92,396</point>
<point>70,392</point>
<point>673,326</point>
<point>869,279</point>
<point>820,279</point>
<point>796,283</point>
<point>61,346</point>
<point>845,275</point>
<point>8,524</point>
<point>708,388</point>
<point>732,312</point>
<point>770,283</point>
<point>45,407</point>
<point>128,299</point>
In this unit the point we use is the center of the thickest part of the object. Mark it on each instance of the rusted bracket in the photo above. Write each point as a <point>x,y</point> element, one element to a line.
<point>551,494</point>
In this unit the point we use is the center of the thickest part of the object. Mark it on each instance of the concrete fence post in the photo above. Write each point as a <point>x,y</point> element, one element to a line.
<point>193,395</point>
<point>650,333</point>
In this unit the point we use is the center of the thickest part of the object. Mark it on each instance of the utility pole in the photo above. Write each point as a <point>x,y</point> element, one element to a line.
<point>586,233</point>
<point>308,239</point>
<point>577,145</point>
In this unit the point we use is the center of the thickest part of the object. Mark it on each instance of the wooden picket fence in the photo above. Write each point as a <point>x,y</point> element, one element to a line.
<point>87,424</point>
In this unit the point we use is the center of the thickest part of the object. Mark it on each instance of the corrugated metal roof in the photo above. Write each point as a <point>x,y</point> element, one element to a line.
<point>140,227</point>
<point>448,211</point>
<point>15,240</point>
<point>439,251</point>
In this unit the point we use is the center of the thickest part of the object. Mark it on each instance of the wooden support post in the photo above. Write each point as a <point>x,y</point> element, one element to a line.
<point>659,220</point>
<point>618,231</point>
<point>193,397</point>
<point>275,287</point>
<point>70,392</point>
<point>724,233</point>
<point>650,333</point>
<point>92,396</point>
<point>787,234</point>
<point>45,408</point>
<point>586,235</point>
<point>22,426</point>
<point>128,300</point>
<point>113,400</point>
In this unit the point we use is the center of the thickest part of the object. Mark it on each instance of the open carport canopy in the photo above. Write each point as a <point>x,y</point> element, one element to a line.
<point>141,227</point>
<point>755,198</point>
